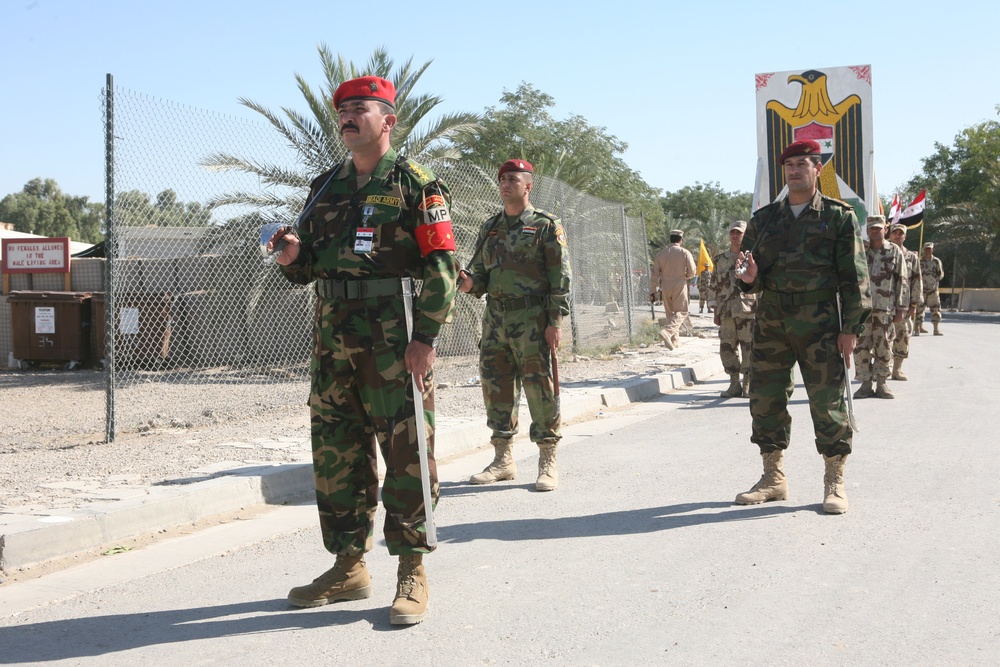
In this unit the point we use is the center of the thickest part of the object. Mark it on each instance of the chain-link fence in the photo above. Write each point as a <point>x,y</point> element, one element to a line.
<point>198,325</point>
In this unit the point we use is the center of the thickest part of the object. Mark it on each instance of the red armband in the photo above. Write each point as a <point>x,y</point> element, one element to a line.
<point>436,236</point>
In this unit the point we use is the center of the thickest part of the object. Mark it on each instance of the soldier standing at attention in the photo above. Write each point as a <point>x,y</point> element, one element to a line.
<point>379,222</point>
<point>523,269</point>
<point>800,254</point>
<point>734,313</point>
<point>673,267</point>
<point>901,344</point>
<point>932,273</point>
<point>890,296</point>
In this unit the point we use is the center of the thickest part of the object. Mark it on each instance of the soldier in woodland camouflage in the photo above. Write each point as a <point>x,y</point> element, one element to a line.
<point>800,255</point>
<point>932,273</point>
<point>734,314</point>
<point>915,289</point>
<point>379,222</point>
<point>887,271</point>
<point>523,269</point>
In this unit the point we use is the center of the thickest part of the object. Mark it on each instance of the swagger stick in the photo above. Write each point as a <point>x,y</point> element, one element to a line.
<point>847,379</point>
<point>555,379</point>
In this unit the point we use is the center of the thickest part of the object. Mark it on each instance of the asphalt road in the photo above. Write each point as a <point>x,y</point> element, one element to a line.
<point>640,557</point>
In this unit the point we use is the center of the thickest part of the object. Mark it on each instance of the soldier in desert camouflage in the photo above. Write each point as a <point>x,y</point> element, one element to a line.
<point>915,289</point>
<point>932,273</point>
<point>734,313</point>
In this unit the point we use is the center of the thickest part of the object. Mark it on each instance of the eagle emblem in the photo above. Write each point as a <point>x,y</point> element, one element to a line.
<point>836,127</point>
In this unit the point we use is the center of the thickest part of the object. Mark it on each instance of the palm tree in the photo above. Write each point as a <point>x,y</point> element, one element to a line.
<point>315,136</point>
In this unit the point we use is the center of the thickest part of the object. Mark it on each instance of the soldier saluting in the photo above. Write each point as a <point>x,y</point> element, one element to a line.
<point>807,254</point>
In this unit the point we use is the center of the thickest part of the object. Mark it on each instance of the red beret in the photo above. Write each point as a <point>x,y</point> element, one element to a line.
<point>796,148</point>
<point>515,165</point>
<point>366,88</point>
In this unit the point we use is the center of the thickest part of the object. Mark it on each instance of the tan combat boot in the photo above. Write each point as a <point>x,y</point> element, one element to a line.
<point>772,484</point>
<point>882,390</point>
<point>916,327</point>
<point>897,369</point>
<point>410,605</point>
<point>746,385</point>
<point>921,328</point>
<point>937,332</point>
<point>348,579</point>
<point>735,390</point>
<point>503,466</point>
<point>865,390</point>
<point>667,340</point>
<point>548,473</point>
<point>834,496</point>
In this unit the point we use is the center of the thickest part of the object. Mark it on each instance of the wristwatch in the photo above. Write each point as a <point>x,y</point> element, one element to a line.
<point>426,340</point>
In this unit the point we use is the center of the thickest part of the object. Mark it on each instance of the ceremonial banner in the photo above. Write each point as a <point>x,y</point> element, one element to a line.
<point>832,106</point>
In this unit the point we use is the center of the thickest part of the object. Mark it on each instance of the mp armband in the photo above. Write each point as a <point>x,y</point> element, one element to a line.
<point>432,341</point>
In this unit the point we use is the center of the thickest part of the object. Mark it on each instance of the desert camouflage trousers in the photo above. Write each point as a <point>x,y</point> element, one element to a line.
<point>735,334</point>
<point>361,395</point>
<point>513,354</point>
<point>932,300</point>
<point>806,335</point>
<point>901,338</point>
<point>873,354</point>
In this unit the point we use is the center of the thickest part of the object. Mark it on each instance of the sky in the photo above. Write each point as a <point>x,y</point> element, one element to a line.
<point>674,80</point>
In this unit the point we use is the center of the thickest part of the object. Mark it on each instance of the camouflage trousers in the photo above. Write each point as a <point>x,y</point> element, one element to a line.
<point>361,395</point>
<point>932,300</point>
<point>901,338</point>
<point>873,354</point>
<point>782,337</point>
<point>675,308</point>
<point>514,354</point>
<point>735,335</point>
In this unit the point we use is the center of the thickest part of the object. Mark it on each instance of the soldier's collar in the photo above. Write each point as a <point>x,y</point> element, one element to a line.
<point>382,169</point>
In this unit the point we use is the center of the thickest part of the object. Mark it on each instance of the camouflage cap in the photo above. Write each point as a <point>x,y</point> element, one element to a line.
<point>897,226</point>
<point>928,245</point>
<point>739,224</point>
<point>876,221</point>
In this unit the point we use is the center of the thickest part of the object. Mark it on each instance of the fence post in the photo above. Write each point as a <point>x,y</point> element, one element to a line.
<point>109,258</point>
<point>627,295</point>
<point>572,301</point>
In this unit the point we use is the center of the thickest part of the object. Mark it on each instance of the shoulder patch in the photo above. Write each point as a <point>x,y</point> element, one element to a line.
<point>422,174</point>
<point>546,214</point>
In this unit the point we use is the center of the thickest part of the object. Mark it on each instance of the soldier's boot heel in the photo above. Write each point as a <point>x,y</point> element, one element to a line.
<point>735,389</point>
<point>348,579</point>
<point>897,369</point>
<point>882,390</point>
<point>772,484</point>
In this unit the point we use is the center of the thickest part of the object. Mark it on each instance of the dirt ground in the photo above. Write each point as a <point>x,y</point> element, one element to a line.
<point>52,425</point>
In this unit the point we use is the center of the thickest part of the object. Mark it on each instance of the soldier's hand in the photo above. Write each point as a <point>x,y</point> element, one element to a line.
<point>750,273</point>
<point>553,336</point>
<point>845,345</point>
<point>419,359</point>
<point>291,251</point>
<point>464,281</point>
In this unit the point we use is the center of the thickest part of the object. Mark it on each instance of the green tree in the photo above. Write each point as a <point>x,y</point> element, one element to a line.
<point>315,136</point>
<point>703,211</point>
<point>581,155</point>
<point>42,208</point>
<point>134,208</point>
<point>962,214</point>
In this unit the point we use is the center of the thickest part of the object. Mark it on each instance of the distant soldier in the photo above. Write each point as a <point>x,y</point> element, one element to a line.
<point>915,288</point>
<point>932,273</point>
<point>673,268</point>
<point>524,272</point>
<point>734,313</point>
<point>705,290</point>
<point>888,274</point>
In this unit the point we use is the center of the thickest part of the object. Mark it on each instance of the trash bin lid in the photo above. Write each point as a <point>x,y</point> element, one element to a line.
<point>33,295</point>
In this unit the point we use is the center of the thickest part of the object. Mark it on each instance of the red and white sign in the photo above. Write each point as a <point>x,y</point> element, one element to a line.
<point>36,256</point>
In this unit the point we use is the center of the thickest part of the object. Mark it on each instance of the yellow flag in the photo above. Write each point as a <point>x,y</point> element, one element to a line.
<point>704,261</point>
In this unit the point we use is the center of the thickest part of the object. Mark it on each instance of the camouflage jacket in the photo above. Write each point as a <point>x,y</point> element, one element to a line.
<point>932,272</point>
<point>888,273</point>
<point>916,283</point>
<point>819,250</point>
<point>391,204</point>
<point>705,284</point>
<point>524,256</point>
<point>730,300</point>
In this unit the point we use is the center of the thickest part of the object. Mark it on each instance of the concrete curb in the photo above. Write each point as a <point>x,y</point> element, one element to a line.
<point>39,539</point>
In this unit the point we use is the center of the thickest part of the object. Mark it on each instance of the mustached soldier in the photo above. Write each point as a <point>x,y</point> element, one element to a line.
<point>379,221</point>
<point>523,269</point>
<point>809,254</point>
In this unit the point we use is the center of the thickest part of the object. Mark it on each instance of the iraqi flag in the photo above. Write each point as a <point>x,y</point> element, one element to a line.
<point>913,214</point>
<point>894,210</point>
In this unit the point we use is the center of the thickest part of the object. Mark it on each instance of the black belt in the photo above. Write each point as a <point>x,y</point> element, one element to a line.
<point>516,302</point>
<point>361,288</point>
<point>796,299</point>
